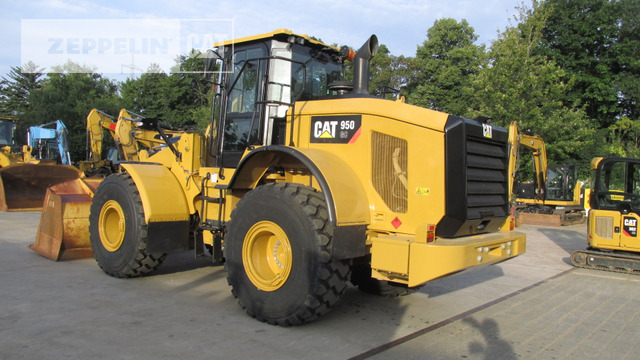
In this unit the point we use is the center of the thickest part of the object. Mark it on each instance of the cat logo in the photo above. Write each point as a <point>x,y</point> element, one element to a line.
<point>342,129</point>
<point>487,131</point>
<point>630,226</point>
<point>325,129</point>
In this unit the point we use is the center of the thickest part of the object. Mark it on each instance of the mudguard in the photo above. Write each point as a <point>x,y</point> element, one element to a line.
<point>346,200</point>
<point>166,211</point>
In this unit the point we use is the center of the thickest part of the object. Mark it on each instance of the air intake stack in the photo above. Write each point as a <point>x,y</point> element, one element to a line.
<point>361,65</point>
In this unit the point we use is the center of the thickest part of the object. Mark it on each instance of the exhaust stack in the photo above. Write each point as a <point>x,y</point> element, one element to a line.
<point>361,65</point>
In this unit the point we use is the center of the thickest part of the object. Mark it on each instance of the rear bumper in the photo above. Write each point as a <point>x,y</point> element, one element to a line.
<point>402,259</point>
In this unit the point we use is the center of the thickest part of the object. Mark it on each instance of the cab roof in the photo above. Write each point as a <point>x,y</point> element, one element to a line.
<point>280,34</point>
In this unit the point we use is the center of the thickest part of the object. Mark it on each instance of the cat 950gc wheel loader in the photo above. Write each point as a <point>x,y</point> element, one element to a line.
<point>303,177</point>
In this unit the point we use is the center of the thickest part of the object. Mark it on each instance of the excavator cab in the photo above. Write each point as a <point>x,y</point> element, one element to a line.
<point>612,231</point>
<point>562,181</point>
<point>615,204</point>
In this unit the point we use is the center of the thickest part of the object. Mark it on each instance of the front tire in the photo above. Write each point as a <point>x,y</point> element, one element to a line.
<point>278,255</point>
<point>118,231</point>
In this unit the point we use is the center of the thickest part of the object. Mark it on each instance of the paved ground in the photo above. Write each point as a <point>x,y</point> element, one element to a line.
<point>534,307</point>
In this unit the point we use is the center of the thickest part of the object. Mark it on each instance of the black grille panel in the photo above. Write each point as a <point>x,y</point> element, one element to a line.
<point>490,172</point>
<point>477,196</point>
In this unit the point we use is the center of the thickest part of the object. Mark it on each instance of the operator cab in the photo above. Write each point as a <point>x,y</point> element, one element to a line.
<point>259,79</point>
<point>617,185</point>
<point>6,131</point>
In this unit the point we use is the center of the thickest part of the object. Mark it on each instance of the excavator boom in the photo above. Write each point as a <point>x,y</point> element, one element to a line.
<point>554,197</point>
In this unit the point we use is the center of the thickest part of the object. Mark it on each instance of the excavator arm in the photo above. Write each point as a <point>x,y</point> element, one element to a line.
<point>541,209</point>
<point>539,153</point>
<point>96,121</point>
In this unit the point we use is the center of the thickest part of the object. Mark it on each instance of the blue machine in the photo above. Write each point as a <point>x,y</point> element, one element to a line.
<point>49,142</point>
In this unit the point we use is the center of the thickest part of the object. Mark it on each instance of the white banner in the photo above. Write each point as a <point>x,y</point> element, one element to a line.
<point>117,46</point>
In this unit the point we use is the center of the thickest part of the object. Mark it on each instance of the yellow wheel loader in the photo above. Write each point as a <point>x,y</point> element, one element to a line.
<point>553,198</point>
<point>304,177</point>
<point>23,178</point>
<point>62,233</point>
<point>612,230</point>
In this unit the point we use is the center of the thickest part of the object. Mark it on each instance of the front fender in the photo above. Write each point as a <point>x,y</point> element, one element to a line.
<point>166,211</point>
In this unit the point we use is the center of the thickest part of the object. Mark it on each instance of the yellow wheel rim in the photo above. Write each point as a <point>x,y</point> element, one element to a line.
<point>266,255</point>
<point>111,225</point>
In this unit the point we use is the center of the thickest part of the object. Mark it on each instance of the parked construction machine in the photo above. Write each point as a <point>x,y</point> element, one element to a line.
<point>49,142</point>
<point>23,177</point>
<point>62,233</point>
<point>612,229</point>
<point>7,127</point>
<point>553,198</point>
<point>303,178</point>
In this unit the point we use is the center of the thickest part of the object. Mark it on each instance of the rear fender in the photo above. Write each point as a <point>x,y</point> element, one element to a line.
<point>346,200</point>
<point>166,211</point>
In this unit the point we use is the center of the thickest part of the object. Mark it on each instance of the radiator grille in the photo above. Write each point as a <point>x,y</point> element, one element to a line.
<point>486,179</point>
<point>604,227</point>
<point>389,170</point>
<point>476,180</point>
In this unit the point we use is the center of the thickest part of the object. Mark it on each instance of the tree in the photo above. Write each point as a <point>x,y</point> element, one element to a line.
<point>177,98</point>
<point>628,47</point>
<point>389,73</point>
<point>15,90</point>
<point>69,97</point>
<point>144,95</point>
<point>520,85</point>
<point>445,63</point>
<point>596,43</point>
<point>623,138</point>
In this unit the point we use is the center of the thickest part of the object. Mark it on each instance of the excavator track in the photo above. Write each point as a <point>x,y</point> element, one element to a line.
<point>620,262</point>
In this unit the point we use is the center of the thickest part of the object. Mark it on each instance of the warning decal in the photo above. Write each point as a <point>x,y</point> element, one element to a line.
<point>340,129</point>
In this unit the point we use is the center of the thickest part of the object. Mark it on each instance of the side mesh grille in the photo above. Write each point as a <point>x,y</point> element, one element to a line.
<point>389,170</point>
<point>604,227</point>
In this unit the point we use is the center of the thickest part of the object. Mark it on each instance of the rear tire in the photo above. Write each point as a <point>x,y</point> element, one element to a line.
<point>278,255</point>
<point>118,231</point>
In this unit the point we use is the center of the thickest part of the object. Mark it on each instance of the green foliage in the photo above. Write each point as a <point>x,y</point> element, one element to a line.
<point>596,42</point>
<point>520,85</point>
<point>176,98</point>
<point>388,73</point>
<point>69,97</point>
<point>15,90</point>
<point>444,65</point>
<point>624,139</point>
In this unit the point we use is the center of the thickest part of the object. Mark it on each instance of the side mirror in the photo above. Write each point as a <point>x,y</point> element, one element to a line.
<point>211,57</point>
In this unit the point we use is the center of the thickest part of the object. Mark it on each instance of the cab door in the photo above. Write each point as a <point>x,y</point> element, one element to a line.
<point>244,108</point>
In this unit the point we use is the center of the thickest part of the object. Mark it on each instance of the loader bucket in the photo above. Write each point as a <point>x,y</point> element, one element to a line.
<point>23,186</point>
<point>63,233</point>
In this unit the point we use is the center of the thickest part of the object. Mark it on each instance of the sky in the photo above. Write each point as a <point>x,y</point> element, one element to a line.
<point>401,24</point>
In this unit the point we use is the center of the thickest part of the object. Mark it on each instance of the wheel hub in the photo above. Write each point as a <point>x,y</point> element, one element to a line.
<point>111,225</point>
<point>266,256</point>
